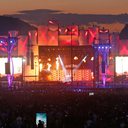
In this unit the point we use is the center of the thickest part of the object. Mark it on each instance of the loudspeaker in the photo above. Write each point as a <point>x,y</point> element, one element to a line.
<point>28,58</point>
<point>32,60</point>
<point>103,66</point>
<point>7,68</point>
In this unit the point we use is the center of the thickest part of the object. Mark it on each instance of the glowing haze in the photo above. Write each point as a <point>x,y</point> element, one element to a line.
<point>66,6</point>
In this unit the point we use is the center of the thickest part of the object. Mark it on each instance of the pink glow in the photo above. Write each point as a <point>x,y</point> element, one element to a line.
<point>104,79</point>
<point>104,31</point>
<point>51,22</point>
<point>35,33</point>
<point>22,46</point>
<point>59,29</point>
<point>66,30</point>
<point>124,50</point>
<point>29,34</point>
<point>86,33</point>
<point>123,47</point>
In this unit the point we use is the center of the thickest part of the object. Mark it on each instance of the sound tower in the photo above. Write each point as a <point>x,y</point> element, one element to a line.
<point>7,68</point>
<point>103,66</point>
<point>28,58</point>
<point>32,60</point>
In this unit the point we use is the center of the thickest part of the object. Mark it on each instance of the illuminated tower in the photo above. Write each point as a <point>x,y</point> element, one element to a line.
<point>102,48</point>
<point>8,43</point>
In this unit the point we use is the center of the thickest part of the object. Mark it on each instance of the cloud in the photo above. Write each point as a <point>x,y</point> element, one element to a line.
<point>39,11</point>
<point>41,16</point>
<point>38,16</point>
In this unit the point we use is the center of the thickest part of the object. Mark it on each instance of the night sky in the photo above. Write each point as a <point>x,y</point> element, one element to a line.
<point>66,6</point>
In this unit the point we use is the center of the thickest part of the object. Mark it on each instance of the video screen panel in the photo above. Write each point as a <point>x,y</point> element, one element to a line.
<point>59,63</point>
<point>17,64</point>
<point>121,65</point>
<point>78,56</point>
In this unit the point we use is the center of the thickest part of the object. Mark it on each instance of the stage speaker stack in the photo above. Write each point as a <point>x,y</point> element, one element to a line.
<point>103,66</point>
<point>7,68</point>
<point>32,60</point>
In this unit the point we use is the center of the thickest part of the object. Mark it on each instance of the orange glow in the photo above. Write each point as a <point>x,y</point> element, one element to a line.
<point>79,75</point>
<point>75,58</point>
<point>92,58</point>
<point>76,7</point>
<point>49,66</point>
<point>92,75</point>
<point>57,63</point>
<point>39,60</point>
<point>49,59</point>
<point>40,67</point>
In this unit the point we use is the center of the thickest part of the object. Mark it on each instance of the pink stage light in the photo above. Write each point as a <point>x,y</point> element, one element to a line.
<point>51,22</point>
<point>86,33</point>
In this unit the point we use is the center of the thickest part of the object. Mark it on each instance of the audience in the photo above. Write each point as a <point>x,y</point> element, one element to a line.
<point>66,107</point>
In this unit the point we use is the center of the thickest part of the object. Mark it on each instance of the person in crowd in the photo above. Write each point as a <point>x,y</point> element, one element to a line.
<point>40,124</point>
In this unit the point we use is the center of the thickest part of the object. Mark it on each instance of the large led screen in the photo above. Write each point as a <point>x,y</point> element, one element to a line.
<point>17,65</point>
<point>56,63</point>
<point>121,65</point>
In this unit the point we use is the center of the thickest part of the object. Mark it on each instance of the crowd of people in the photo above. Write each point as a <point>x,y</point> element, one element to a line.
<point>74,108</point>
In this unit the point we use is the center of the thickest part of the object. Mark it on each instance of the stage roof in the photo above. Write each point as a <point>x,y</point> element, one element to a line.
<point>124,33</point>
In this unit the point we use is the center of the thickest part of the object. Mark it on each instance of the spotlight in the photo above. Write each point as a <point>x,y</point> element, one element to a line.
<point>50,22</point>
<point>23,60</point>
<point>49,59</point>
<point>1,41</point>
<point>11,41</point>
<point>75,58</point>
<point>84,61</point>
<point>92,58</point>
